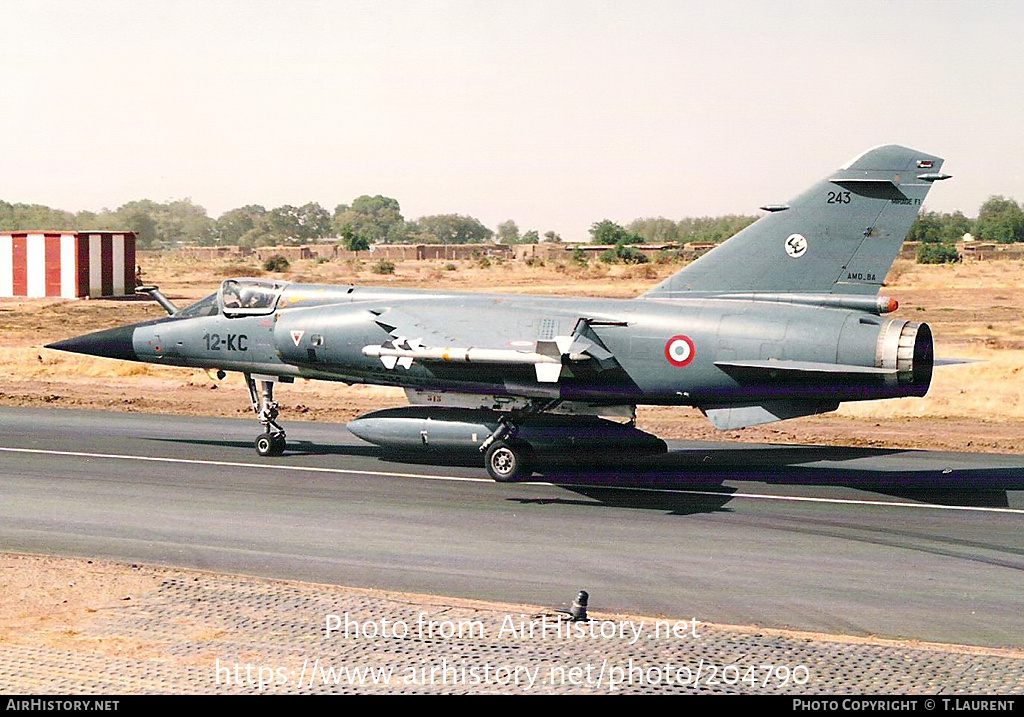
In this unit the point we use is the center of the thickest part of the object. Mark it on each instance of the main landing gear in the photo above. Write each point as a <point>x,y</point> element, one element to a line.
<point>505,458</point>
<point>272,441</point>
<point>508,461</point>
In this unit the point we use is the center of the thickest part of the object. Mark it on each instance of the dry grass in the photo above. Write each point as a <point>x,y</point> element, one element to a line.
<point>986,275</point>
<point>37,363</point>
<point>190,279</point>
<point>991,388</point>
<point>49,608</point>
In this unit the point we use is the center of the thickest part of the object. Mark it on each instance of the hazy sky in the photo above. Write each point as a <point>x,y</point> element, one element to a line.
<point>554,113</point>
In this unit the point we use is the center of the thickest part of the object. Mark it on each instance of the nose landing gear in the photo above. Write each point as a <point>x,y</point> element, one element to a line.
<point>272,441</point>
<point>270,444</point>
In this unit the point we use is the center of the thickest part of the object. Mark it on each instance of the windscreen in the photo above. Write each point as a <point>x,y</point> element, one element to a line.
<point>250,296</point>
<point>203,307</point>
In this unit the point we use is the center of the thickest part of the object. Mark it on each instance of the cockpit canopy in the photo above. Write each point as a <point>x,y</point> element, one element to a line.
<point>204,307</point>
<point>248,297</point>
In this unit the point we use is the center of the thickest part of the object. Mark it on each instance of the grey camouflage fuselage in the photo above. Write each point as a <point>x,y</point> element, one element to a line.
<point>782,320</point>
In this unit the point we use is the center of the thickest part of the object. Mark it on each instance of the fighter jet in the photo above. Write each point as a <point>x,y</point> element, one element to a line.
<point>782,320</point>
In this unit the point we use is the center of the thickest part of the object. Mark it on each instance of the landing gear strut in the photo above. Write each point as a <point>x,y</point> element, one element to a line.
<point>272,441</point>
<point>505,458</point>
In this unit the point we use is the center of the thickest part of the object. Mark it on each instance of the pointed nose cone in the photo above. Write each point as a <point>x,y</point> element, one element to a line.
<point>110,343</point>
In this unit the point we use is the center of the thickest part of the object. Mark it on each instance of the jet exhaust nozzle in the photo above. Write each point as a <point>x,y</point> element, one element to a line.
<point>907,347</point>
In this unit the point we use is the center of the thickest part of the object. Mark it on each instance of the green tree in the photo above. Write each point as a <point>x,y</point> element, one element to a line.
<point>157,224</point>
<point>283,222</point>
<point>314,221</point>
<point>450,229</point>
<point>927,227</point>
<point>937,253</point>
<point>931,227</point>
<point>531,237</point>
<point>189,222</point>
<point>299,224</point>
<point>138,220</point>
<point>624,253</point>
<point>552,236</point>
<point>656,230</point>
<point>234,224</point>
<point>377,219</point>
<point>33,216</point>
<point>260,234</point>
<point>508,232</point>
<point>1000,219</point>
<point>352,241</point>
<point>955,225</point>
<point>608,232</point>
<point>704,230</point>
<point>86,220</point>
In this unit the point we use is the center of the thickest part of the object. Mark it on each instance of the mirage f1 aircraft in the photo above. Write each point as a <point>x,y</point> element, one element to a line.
<point>782,320</point>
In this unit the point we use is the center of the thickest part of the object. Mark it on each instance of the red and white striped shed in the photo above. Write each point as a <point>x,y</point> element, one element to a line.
<point>67,264</point>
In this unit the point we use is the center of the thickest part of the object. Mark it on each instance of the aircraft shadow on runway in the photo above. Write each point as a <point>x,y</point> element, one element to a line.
<point>646,482</point>
<point>295,447</point>
<point>871,470</point>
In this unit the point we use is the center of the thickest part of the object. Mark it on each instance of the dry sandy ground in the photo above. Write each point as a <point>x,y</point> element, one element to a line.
<point>975,311</point>
<point>45,602</point>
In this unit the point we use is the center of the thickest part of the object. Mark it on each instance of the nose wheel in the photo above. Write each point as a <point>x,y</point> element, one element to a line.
<point>272,441</point>
<point>271,444</point>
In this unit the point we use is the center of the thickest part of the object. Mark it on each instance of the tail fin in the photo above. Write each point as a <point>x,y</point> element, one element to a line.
<point>841,236</point>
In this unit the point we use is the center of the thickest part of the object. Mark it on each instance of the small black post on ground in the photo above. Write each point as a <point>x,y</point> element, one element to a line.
<point>578,611</point>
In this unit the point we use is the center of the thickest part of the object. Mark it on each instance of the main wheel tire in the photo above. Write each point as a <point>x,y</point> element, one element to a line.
<point>507,462</point>
<point>268,444</point>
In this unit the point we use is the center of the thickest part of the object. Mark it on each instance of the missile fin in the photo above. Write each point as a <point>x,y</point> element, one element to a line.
<point>548,372</point>
<point>564,343</point>
<point>546,347</point>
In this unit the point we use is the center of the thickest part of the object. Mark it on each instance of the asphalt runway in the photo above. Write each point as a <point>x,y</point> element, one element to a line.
<point>905,544</point>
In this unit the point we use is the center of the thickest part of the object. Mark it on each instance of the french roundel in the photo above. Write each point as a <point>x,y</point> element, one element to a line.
<point>680,350</point>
